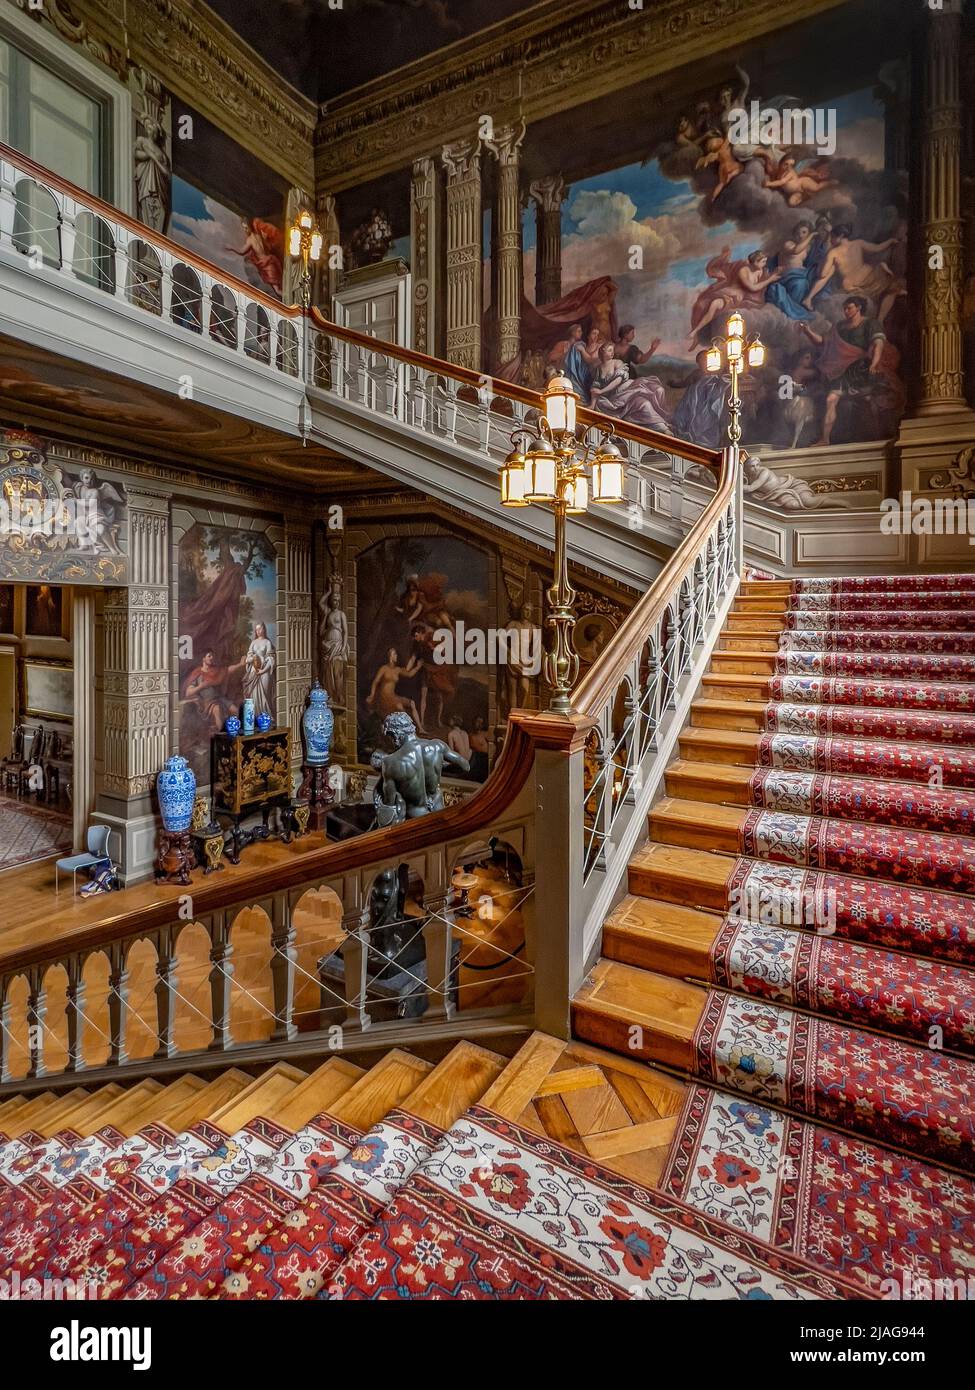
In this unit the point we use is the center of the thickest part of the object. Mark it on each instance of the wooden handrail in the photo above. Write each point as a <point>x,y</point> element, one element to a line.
<point>527,732</point>
<point>650,439</point>
<point>601,680</point>
<point>92,203</point>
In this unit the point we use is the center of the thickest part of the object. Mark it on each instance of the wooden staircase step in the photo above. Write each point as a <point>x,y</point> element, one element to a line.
<point>720,746</point>
<point>717,782</point>
<point>517,1085</point>
<point>728,714</point>
<point>766,588</point>
<point>694,877</point>
<point>18,1119</point>
<point>180,1114</point>
<point>639,1014</point>
<point>81,1115</point>
<point>318,1092</point>
<point>455,1084</point>
<point>696,824</point>
<point>739,685</point>
<point>129,1111</point>
<point>746,662</point>
<point>756,604</point>
<point>740,625</point>
<point>383,1088</point>
<point>750,642</point>
<point>262,1098</point>
<point>665,937</point>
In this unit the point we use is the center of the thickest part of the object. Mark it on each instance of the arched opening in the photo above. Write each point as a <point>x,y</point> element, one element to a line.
<point>223,317</point>
<point>17,1037</point>
<point>489,914</point>
<point>187,299</point>
<point>95,1026</point>
<point>141,1021</point>
<point>317,921</point>
<point>54,1035</point>
<point>143,286</point>
<point>94,252</point>
<point>287,355</point>
<point>257,333</point>
<point>252,993</point>
<point>37,223</point>
<point>192,1018</point>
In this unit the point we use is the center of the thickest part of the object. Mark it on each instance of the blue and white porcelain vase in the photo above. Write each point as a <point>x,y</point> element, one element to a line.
<point>231,725</point>
<point>318,721</point>
<point>263,722</point>
<point>247,716</point>
<point>176,789</point>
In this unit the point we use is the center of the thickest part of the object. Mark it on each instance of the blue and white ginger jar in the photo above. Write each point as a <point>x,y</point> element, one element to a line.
<point>176,789</point>
<point>318,721</point>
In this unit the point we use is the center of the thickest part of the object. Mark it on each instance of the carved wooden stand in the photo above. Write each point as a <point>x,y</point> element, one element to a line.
<point>175,858</point>
<point>316,789</point>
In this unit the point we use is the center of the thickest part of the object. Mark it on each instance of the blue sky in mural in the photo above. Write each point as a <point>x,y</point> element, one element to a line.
<point>206,226</point>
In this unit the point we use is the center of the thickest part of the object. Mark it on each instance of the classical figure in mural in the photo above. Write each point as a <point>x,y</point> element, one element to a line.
<point>333,642</point>
<point>206,688</point>
<point>409,777</point>
<point>519,669</point>
<point>382,697</point>
<point>849,258</point>
<point>260,666</point>
<point>263,248</point>
<point>737,285</point>
<point>856,362</point>
<point>641,400</point>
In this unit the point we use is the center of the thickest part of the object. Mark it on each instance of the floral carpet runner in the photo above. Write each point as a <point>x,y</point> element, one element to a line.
<point>894,1091</point>
<point>498,1212</point>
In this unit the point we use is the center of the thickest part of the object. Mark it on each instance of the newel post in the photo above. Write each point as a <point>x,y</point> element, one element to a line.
<point>559,909</point>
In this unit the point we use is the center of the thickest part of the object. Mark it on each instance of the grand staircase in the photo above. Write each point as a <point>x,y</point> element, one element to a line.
<point>800,927</point>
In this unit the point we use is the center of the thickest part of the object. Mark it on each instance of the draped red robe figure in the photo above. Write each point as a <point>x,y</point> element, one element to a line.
<point>592,305</point>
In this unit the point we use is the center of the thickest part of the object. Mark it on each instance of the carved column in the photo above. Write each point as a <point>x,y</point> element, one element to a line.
<point>462,161</point>
<point>83,778</point>
<point>425,197</point>
<point>299,626</point>
<point>506,270</point>
<point>941,345</point>
<point>547,194</point>
<point>135,707</point>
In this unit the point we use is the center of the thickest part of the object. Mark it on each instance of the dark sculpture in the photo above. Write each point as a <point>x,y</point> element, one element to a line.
<point>409,777</point>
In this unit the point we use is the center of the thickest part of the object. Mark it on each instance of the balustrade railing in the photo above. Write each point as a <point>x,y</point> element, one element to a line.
<point>476,919</point>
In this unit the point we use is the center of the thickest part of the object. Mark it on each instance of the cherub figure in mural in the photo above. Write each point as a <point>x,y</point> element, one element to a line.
<point>260,664</point>
<point>333,642</point>
<point>640,400</point>
<point>848,258</point>
<point>796,185</point>
<point>857,362</point>
<point>263,248</point>
<point>626,350</point>
<point>382,698</point>
<point>738,285</point>
<point>718,150</point>
<point>99,516</point>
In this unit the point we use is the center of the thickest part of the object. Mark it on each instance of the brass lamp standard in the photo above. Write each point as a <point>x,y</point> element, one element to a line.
<point>305,245</point>
<point>734,354</point>
<point>553,466</point>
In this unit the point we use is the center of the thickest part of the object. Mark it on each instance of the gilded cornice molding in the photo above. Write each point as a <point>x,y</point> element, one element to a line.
<point>562,54</point>
<point>203,62</point>
<point>207,65</point>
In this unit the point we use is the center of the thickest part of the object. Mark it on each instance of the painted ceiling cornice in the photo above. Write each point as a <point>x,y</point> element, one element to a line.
<point>562,54</point>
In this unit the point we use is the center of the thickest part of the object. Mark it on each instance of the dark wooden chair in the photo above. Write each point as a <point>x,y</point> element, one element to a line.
<point>13,767</point>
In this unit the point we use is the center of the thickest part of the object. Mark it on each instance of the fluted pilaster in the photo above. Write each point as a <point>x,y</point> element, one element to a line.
<point>507,267</point>
<point>462,161</point>
<point>547,195</point>
<point>425,197</point>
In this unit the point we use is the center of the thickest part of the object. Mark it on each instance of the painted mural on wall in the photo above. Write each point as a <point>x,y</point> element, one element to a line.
<point>809,246</point>
<point>408,589</point>
<point>227,206</point>
<point>58,524</point>
<point>227,633</point>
